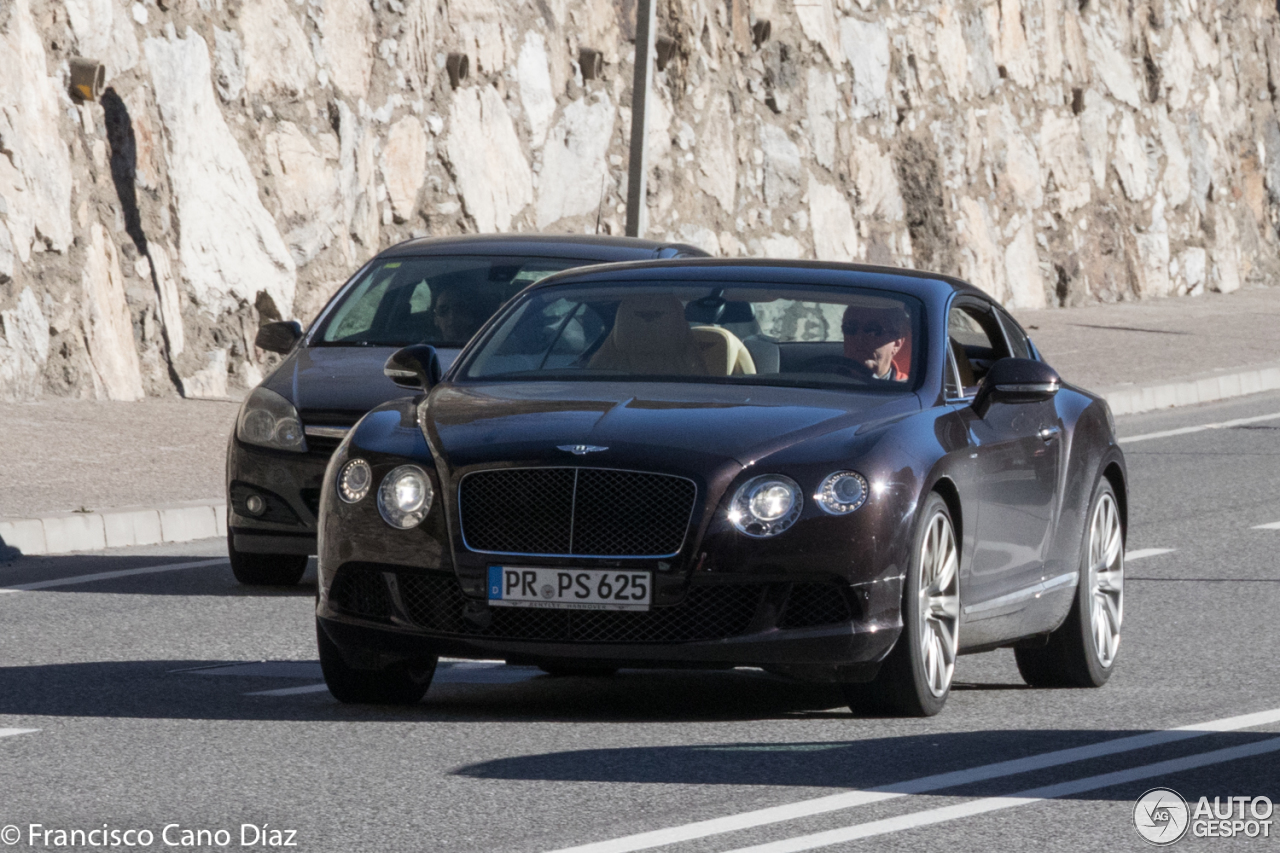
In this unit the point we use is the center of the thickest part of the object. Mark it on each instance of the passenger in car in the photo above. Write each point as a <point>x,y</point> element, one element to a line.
<point>873,336</point>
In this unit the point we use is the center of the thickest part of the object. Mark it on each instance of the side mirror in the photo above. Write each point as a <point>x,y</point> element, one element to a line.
<point>278,337</point>
<point>1016,380</point>
<point>416,366</point>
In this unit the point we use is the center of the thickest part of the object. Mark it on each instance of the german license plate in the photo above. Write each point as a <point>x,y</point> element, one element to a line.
<point>571,589</point>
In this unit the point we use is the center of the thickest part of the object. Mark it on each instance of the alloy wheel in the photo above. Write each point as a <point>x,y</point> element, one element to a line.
<point>939,604</point>
<point>1106,579</point>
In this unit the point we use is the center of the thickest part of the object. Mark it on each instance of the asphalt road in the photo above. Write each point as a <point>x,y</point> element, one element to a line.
<point>174,696</point>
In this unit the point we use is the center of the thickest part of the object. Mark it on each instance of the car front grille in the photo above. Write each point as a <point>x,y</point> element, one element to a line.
<point>590,512</point>
<point>436,604</point>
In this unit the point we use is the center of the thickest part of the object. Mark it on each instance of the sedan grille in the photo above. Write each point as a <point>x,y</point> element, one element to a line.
<point>588,512</point>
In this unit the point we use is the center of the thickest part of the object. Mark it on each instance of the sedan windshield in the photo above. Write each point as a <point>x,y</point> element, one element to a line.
<point>754,334</point>
<point>441,300</point>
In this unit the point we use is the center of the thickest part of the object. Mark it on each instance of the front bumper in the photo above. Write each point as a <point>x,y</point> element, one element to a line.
<point>817,629</point>
<point>289,485</point>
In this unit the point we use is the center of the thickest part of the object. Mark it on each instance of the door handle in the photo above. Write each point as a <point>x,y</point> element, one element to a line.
<point>1048,434</point>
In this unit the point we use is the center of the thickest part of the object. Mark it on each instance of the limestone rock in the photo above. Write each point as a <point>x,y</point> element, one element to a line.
<point>356,175</point>
<point>418,43</point>
<point>481,32</point>
<point>229,245</point>
<point>1094,123</point>
<point>210,381</point>
<point>7,260</point>
<point>835,237</point>
<point>1131,160</point>
<point>35,166</point>
<point>1177,169</point>
<point>104,32</point>
<point>1022,269</point>
<point>24,348</point>
<point>818,22</point>
<point>492,173</point>
<point>1226,252</point>
<point>1064,159</point>
<point>403,165</point>
<point>781,165</point>
<point>108,328</point>
<point>866,45</point>
<point>984,75</point>
<point>780,246</point>
<point>277,59</point>
<point>167,292</point>
<point>717,159</point>
<point>229,58</point>
<point>347,38</point>
<point>1012,51</point>
<point>982,259</point>
<point>306,186</point>
<point>536,95</point>
<point>876,177</point>
<point>820,105</point>
<point>1153,253</point>
<point>574,165</point>
<point>1014,158</point>
<point>953,54</point>
<point>1109,63</point>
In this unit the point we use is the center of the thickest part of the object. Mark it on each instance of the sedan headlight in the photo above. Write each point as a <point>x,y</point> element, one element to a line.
<point>842,492</point>
<point>269,420</point>
<point>405,496</point>
<point>765,506</point>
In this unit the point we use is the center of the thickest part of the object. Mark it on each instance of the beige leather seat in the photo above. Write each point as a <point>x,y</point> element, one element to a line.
<point>722,352</point>
<point>650,337</point>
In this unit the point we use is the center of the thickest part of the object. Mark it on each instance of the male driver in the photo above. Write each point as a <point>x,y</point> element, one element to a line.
<point>873,336</point>
<point>458,315</point>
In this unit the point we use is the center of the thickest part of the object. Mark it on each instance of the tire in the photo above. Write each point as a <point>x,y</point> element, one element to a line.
<point>397,685</point>
<point>915,679</point>
<point>1082,652</point>
<point>265,569</point>
<point>566,670</point>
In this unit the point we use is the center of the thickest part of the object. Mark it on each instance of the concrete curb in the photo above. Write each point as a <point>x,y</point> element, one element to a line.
<point>1206,388</point>
<point>64,532</point>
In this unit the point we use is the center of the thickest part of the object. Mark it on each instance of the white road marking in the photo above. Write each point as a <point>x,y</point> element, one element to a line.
<point>309,670</point>
<point>106,576</point>
<point>1188,430</point>
<point>292,691</point>
<point>1275,525</point>
<point>852,799</point>
<point>1021,798</point>
<point>12,732</point>
<point>1143,553</point>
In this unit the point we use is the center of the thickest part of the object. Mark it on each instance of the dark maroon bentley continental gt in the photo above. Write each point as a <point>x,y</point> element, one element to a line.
<point>836,473</point>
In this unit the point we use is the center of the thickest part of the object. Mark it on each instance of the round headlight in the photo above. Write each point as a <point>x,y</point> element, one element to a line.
<point>354,480</point>
<point>765,506</point>
<point>405,496</point>
<point>842,492</point>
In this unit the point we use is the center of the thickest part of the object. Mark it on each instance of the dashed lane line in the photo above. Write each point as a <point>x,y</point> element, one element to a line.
<point>1275,525</point>
<point>926,784</point>
<point>106,576</point>
<point>12,732</point>
<point>1201,428</point>
<point>291,691</point>
<point>1143,553</point>
<point>987,805</point>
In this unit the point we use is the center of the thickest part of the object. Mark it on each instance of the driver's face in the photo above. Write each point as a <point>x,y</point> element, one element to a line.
<point>455,318</point>
<point>872,338</point>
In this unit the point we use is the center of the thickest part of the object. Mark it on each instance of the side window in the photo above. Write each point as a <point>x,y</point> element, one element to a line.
<point>976,343</point>
<point>1018,342</point>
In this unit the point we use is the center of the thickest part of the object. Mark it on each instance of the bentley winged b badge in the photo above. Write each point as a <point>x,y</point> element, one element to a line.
<point>580,449</point>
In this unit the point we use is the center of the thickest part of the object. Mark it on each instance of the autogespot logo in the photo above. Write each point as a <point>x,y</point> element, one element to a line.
<point>1161,816</point>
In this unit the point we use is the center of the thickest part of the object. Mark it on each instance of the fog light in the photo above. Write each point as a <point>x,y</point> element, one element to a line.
<point>255,505</point>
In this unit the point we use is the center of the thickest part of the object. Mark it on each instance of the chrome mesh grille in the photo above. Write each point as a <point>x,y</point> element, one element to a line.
<point>595,512</point>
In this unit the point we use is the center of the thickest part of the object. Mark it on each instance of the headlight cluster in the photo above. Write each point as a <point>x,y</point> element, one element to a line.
<point>769,504</point>
<point>269,420</point>
<point>404,498</point>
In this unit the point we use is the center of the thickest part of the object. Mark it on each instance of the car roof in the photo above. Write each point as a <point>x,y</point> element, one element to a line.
<point>752,270</point>
<point>589,247</point>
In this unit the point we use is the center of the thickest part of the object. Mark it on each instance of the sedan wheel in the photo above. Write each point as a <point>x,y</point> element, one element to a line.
<point>1082,652</point>
<point>915,679</point>
<point>403,684</point>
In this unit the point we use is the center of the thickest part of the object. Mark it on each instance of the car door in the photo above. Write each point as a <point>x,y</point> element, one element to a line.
<point>1016,447</point>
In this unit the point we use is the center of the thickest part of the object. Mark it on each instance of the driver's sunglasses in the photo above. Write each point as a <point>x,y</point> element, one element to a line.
<point>874,328</point>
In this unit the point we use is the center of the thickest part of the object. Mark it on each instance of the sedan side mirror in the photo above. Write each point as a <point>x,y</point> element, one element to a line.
<point>1016,380</point>
<point>416,366</point>
<point>278,337</point>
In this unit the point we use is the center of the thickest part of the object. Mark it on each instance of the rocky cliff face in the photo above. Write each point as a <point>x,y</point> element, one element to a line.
<point>248,155</point>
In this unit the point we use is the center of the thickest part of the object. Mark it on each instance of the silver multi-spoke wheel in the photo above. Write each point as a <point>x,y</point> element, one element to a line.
<point>1106,579</point>
<point>939,603</point>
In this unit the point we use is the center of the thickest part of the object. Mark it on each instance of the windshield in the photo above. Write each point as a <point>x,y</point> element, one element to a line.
<point>757,334</point>
<point>432,300</point>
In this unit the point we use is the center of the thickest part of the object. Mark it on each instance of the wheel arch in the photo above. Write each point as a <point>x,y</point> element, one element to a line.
<point>1115,476</point>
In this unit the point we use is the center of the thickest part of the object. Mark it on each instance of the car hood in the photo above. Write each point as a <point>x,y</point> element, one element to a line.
<point>337,385</point>
<point>657,425</point>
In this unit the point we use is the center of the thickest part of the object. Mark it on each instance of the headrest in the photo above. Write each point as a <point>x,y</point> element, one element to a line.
<point>649,323</point>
